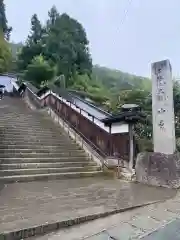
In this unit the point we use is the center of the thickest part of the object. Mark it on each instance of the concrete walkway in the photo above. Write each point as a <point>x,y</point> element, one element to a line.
<point>160,221</point>
<point>29,205</point>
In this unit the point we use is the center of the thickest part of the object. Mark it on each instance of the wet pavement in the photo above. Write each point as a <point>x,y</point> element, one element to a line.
<point>24,205</point>
<point>170,231</point>
<point>158,221</point>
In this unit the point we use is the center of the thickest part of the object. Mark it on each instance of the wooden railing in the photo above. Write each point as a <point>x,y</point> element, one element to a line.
<point>90,127</point>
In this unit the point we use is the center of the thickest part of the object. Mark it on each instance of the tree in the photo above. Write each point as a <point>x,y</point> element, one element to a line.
<point>33,46</point>
<point>15,49</point>
<point>26,55</point>
<point>5,55</point>
<point>67,46</point>
<point>3,21</point>
<point>39,71</point>
<point>53,15</point>
<point>36,31</point>
<point>62,42</point>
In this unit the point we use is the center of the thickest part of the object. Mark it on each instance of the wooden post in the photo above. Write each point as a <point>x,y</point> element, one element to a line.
<point>131,146</point>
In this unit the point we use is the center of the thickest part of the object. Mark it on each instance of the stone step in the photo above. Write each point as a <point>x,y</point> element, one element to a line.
<point>19,116</point>
<point>39,146</point>
<point>31,128</point>
<point>11,115</point>
<point>38,131</point>
<point>44,159</point>
<point>41,129</point>
<point>13,132</point>
<point>13,172</point>
<point>45,165</point>
<point>24,116</point>
<point>33,138</point>
<point>41,150</point>
<point>17,128</point>
<point>49,133</point>
<point>50,176</point>
<point>33,148</point>
<point>37,118</point>
<point>25,120</point>
<point>31,141</point>
<point>40,155</point>
<point>20,134</point>
<point>33,133</point>
<point>20,126</point>
<point>38,143</point>
<point>43,145</point>
<point>20,113</point>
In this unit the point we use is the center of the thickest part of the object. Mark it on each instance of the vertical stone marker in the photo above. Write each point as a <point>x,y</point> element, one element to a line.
<point>163,108</point>
<point>161,167</point>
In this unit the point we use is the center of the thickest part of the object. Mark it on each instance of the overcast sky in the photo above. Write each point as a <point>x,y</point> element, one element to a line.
<point>150,30</point>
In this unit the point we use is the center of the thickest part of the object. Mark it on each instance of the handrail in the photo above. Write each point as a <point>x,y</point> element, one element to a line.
<point>69,93</point>
<point>59,97</point>
<point>98,150</point>
<point>103,151</point>
<point>94,147</point>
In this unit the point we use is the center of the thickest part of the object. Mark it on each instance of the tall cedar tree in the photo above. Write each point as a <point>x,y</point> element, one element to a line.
<point>3,21</point>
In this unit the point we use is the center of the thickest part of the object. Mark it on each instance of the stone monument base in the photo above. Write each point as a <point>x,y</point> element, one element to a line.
<point>158,169</point>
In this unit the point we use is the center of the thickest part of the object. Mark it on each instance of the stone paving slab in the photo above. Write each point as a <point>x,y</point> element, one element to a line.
<point>140,223</point>
<point>170,231</point>
<point>26,205</point>
<point>124,232</point>
<point>93,229</point>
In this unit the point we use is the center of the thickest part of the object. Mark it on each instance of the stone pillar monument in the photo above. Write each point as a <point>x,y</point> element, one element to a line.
<point>161,167</point>
<point>163,108</point>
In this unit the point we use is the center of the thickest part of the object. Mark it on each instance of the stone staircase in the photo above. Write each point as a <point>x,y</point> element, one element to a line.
<point>32,147</point>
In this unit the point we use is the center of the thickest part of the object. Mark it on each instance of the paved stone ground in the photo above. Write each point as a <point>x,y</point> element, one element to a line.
<point>160,221</point>
<point>169,231</point>
<point>24,205</point>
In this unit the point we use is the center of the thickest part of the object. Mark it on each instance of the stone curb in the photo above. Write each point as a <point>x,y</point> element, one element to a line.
<point>50,227</point>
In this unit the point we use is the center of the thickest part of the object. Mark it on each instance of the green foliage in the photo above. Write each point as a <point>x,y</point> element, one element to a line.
<point>33,46</point>
<point>53,15</point>
<point>5,52</point>
<point>15,49</point>
<point>144,130</point>
<point>116,80</point>
<point>5,55</point>
<point>26,55</point>
<point>93,89</point>
<point>3,21</point>
<point>62,42</point>
<point>39,72</point>
<point>67,46</point>
<point>36,32</point>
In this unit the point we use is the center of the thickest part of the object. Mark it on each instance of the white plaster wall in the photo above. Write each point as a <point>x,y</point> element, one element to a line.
<point>120,128</point>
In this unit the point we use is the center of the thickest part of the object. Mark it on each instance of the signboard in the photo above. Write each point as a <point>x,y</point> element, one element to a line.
<point>163,108</point>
